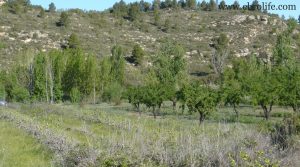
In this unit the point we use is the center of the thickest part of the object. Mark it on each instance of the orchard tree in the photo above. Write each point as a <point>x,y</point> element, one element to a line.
<point>170,69</point>
<point>220,54</point>
<point>201,99</point>
<point>259,82</point>
<point>287,70</point>
<point>232,92</point>
<point>135,96</point>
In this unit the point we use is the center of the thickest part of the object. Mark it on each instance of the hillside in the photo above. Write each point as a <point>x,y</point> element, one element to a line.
<point>249,32</point>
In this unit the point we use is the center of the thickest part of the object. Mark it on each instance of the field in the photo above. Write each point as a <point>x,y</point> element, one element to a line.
<point>106,135</point>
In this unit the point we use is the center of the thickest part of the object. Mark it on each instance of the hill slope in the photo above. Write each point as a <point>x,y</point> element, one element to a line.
<point>249,32</point>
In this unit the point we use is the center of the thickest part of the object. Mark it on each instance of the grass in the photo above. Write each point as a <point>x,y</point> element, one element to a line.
<point>116,135</point>
<point>20,149</point>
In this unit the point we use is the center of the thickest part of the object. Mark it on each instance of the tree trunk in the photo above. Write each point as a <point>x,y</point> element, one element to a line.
<point>266,110</point>
<point>174,104</point>
<point>51,84</point>
<point>138,108</point>
<point>159,107</point>
<point>295,108</point>
<point>46,79</point>
<point>236,111</point>
<point>153,111</point>
<point>182,108</point>
<point>94,89</point>
<point>201,117</point>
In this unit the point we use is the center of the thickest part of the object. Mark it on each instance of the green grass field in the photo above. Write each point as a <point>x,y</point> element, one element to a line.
<point>20,149</point>
<point>105,135</point>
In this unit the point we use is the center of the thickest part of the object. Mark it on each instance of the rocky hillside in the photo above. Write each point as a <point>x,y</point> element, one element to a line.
<point>249,32</point>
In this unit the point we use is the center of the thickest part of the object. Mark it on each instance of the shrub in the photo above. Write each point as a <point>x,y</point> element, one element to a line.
<point>282,132</point>
<point>75,95</point>
<point>64,20</point>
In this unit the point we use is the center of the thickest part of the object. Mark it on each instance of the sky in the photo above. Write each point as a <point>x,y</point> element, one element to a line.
<point>105,4</point>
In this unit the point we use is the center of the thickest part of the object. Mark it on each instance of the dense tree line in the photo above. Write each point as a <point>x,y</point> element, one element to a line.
<point>133,10</point>
<point>71,75</point>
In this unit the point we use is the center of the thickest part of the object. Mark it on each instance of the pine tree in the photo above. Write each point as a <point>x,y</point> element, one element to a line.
<point>212,5</point>
<point>52,7</point>
<point>236,5</point>
<point>64,19</point>
<point>134,11</point>
<point>255,6</point>
<point>222,5</point>
<point>203,5</point>
<point>42,13</point>
<point>138,54</point>
<point>156,5</point>
<point>73,41</point>
<point>191,4</point>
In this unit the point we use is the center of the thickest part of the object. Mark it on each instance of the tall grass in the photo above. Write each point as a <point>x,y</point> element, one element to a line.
<point>110,136</point>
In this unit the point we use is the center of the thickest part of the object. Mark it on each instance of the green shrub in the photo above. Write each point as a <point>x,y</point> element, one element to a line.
<point>75,95</point>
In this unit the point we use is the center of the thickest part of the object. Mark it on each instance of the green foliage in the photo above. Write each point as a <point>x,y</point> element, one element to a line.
<point>138,54</point>
<point>58,71</point>
<point>211,6</point>
<point>255,6</point>
<point>42,13</point>
<point>282,133</point>
<point>232,93</point>
<point>201,99</point>
<point>52,7</point>
<point>260,158</point>
<point>292,24</point>
<point>156,17</point>
<point>135,96</point>
<point>40,79</point>
<point>113,93</point>
<point>134,11</point>
<point>191,4</point>
<point>119,9</point>
<point>64,20</point>
<point>236,5</point>
<point>204,5</point>
<point>156,5</point>
<point>73,41</point>
<point>73,75</point>
<point>75,95</point>
<point>117,64</point>
<point>222,5</point>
